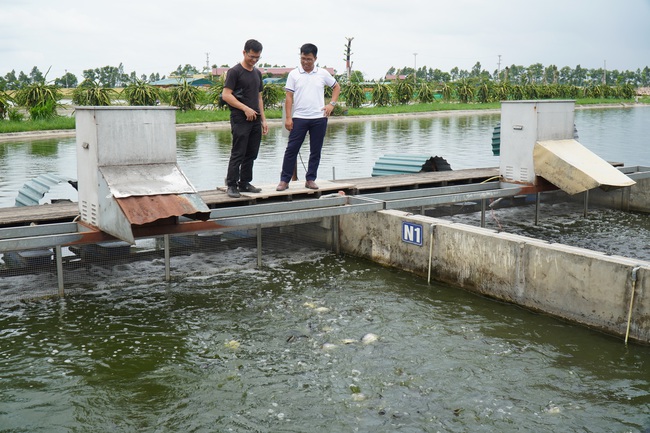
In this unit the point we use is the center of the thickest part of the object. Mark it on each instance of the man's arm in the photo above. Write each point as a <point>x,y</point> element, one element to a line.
<point>288,109</point>
<point>230,99</point>
<point>336,91</point>
<point>265,126</point>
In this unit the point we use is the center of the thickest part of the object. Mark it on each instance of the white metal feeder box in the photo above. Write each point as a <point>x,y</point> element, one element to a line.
<point>537,141</point>
<point>127,171</point>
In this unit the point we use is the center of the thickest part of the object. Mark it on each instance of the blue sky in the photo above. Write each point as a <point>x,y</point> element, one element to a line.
<point>158,36</point>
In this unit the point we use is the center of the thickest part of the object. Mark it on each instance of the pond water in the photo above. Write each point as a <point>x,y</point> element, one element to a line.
<point>282,349</point>
<point>351,148</point>
<point>226,346</point>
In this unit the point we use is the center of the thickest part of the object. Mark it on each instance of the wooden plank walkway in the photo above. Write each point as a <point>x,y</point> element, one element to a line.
<point>217,198</point>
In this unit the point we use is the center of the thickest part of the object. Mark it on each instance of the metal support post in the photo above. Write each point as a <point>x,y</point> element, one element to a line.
<point>483,213</point>
<point>58,256</point>
<point>259,246</point>
<point>335,235</point>
<point>167,258</point>
<point>537,201</point>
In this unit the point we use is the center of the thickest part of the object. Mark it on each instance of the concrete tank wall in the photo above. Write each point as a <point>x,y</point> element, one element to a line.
<point>575,284</point>
<point>635,198</point>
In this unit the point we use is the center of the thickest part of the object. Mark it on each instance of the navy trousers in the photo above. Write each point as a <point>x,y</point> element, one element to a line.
<point>316,129</point>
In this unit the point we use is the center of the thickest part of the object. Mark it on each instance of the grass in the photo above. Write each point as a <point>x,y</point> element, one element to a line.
<point>56,123</point>
<point>203,116</point>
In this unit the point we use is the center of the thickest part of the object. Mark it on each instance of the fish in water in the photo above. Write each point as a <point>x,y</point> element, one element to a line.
<point>369,338</point>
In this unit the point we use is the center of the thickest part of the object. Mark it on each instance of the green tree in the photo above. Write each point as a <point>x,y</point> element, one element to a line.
<point>446,90</point>
<point>354,95</point>
<point>184,96</point>
<point>535,73</point>
<point>11,80</point>
<point>185,71</point>
<point>425,93</point>
<point>40,99</point>
<point>5,104</point>
<point>92,93</point>
<point>381,94</point>
<point>465,91</point>
<point>403,90</point>
<point>36,76</point>
<point>214,93</point>
<point>23,80</point>
<point>67,80</point>
<point>141,93</point>
<point>356,77</point>
<point>484,92</point>
<point>272,95</point>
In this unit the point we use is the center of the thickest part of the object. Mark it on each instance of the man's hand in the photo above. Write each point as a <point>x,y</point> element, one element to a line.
<point>328,109</point>
<point>250,113</point>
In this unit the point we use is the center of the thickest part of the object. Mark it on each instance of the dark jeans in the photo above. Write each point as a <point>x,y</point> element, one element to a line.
<point>316,129</point>
<point>246,137</point>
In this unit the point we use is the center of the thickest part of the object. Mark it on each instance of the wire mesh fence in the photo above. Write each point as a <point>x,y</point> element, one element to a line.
<point>31,274</point>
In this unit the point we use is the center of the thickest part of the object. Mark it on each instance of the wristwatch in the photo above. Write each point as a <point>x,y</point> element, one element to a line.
<point>333,103</point>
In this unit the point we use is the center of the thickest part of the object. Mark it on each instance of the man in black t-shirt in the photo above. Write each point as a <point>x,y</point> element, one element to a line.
<point>242,91</point>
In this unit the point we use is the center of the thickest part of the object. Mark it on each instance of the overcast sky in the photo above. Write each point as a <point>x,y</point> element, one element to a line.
<point>149,37</point>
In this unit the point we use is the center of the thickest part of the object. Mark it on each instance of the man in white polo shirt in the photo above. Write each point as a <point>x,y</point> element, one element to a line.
<point>306,112</point>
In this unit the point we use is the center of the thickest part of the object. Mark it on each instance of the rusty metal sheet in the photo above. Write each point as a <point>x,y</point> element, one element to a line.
<point>146,179</point>
<point>141,210</point>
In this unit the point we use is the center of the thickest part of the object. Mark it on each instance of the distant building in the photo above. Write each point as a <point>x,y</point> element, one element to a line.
<point>196,80</point>
<point>271,72</point>
<point>395,77</point>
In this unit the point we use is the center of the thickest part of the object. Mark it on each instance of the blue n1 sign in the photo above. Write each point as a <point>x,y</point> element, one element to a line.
<point>412,233</point>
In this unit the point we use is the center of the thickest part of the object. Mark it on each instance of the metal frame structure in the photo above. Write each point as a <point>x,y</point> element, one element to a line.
<point>257,216</point>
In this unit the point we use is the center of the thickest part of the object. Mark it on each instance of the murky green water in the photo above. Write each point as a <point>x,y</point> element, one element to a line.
<point>280,350</point>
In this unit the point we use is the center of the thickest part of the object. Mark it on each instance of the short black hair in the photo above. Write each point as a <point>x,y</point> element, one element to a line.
<point>253,45</point>
<point>309,49</point>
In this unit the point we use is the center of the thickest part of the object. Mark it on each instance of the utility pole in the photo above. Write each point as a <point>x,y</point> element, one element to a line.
<point>499,66</point>
<point>207,63</point>
<point>348,53</point>
<point>605,72</point>
<point>415,69</point>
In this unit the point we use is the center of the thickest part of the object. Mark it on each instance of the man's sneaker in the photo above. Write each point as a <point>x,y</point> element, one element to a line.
<point>249,188</point>
<point>233,192</point>
<point>311,184</point>
<point>282,186</point>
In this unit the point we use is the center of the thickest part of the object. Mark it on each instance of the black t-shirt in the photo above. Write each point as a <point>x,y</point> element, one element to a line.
<point>246,86</point>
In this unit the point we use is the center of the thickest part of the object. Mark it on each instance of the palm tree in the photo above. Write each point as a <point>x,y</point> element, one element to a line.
<point>465,91</point>
<point>403,91</point>
<point>446,91</point>
<point>354,95</point>
<point>5,102</point>
<point>185,96</point>
<point>272,95</point>
<point>381,95</point>
<point>425,93</point>
<point>40,99</point>
<point>141,93</point>
<point>92,93</point>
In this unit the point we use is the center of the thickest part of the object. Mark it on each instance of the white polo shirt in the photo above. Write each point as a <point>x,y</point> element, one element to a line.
<point>308,91</point>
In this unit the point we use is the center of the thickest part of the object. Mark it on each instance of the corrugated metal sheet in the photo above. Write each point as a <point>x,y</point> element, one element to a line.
<point>141,210</point>
<point>35,189</point>
<point>404,164</point>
